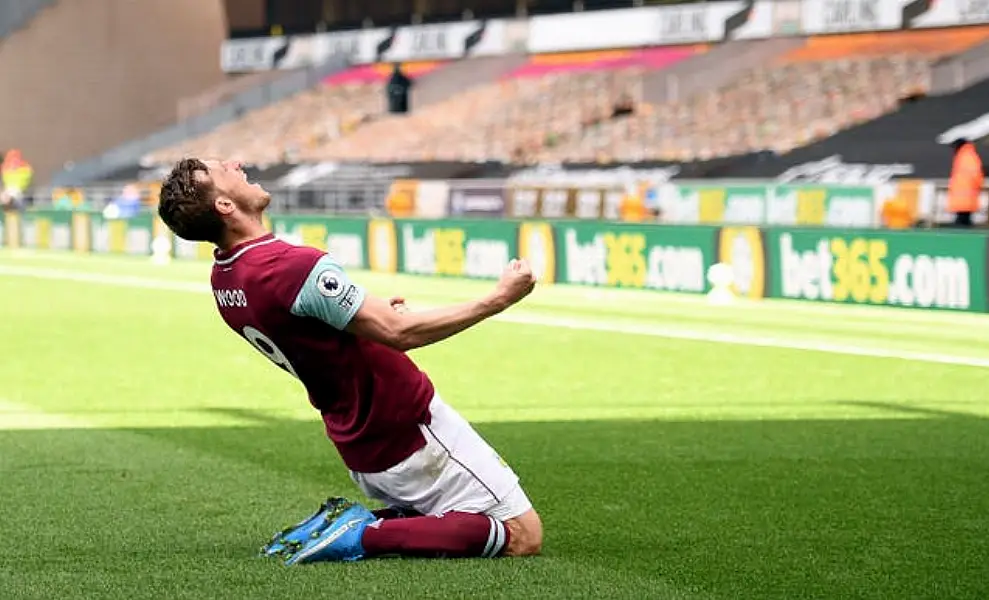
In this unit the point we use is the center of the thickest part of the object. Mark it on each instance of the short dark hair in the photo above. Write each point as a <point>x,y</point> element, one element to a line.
<point>186,203</point>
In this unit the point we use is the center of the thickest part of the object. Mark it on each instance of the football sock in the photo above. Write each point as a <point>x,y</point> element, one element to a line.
<point>452,535</point>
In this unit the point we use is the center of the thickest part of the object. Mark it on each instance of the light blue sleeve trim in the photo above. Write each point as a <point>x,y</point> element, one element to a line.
<point>329,295</point>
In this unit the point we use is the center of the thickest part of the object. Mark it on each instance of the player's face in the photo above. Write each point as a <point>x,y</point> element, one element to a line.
<point>230,181</point>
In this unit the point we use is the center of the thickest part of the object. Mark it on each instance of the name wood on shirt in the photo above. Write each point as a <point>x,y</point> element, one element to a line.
<point>230,298</point>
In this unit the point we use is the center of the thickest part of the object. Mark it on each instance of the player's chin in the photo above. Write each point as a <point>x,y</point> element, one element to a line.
<point>263,197</point>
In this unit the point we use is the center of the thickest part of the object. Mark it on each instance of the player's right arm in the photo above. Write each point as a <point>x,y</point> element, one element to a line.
<point>377,319</point>
<point>330,296</point>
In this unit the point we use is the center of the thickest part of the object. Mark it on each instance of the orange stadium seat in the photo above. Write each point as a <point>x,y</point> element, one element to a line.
<point>935,43</point>
<point>574,58</point>
<point>380,72</point>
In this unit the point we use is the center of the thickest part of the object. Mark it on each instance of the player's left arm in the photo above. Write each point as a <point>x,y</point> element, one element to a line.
<point>329,295</point>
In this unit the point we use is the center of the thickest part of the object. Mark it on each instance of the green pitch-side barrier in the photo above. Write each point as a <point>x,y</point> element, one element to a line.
<point>922,269</point>
<point>805,205</point>
<point>79,231</point>
<point>915,269</point>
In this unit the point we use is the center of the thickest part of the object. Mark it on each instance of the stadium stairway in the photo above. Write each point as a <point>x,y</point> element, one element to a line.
<point>961,70</point>
<point>203,102</point>
<point>715,68</point>
<point>461,75</point>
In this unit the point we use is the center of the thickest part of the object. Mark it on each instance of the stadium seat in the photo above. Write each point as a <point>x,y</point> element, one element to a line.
<point>589,107</point>
<point>829,84</point>
<point>282,131</point>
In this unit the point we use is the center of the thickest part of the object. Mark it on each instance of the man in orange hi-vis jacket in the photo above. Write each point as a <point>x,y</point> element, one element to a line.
<point>16,175</point>
<point>967,176</point>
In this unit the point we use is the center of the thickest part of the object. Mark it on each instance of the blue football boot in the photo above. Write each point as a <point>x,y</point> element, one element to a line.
<point>340,540</point>
<point>287,541</point>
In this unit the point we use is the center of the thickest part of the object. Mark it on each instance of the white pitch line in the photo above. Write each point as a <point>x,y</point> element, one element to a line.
<point>16,416</point>
<point>743,340</point>
<point>521,317</point>
<point>105,279</point>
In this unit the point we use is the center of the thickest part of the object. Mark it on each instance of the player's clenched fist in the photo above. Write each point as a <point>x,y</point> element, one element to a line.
<point>517,281</point>
<point>398,304</point>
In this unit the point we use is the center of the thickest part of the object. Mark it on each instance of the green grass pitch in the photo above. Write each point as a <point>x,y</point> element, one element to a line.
<point>674,449</point>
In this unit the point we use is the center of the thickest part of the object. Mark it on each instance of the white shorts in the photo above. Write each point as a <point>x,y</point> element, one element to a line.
<point>455,471</point>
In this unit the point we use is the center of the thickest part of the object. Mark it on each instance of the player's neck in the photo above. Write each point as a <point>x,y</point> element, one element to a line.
<point>244,232</point>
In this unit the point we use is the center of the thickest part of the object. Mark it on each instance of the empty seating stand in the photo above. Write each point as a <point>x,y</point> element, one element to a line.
<point>591,106</point>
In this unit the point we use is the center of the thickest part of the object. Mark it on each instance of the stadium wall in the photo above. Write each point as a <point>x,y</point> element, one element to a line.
<point>916,269</point>
<point>85,76</point>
